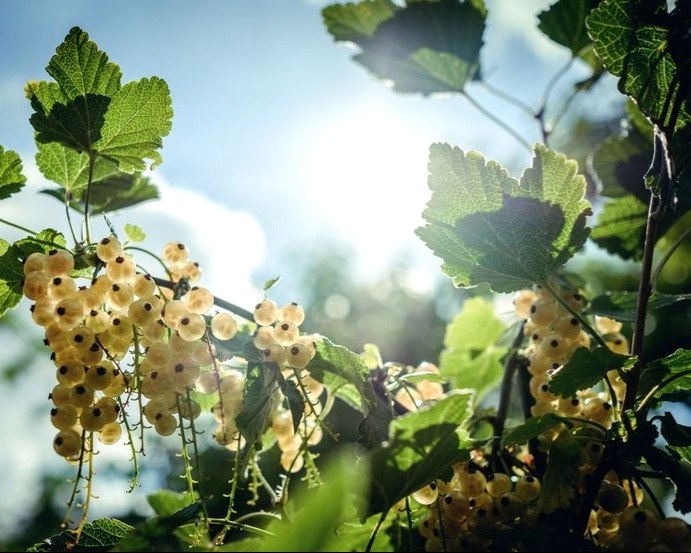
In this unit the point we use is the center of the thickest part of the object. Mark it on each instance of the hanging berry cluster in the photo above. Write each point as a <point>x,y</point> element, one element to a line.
<point>132,352</point>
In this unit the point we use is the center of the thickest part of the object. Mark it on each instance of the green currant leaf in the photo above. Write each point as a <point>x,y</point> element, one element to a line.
<point>424,47</point>
<point>11,275</point>
<point>70,169</point>
<point>12,264</point>
<point>155,533</point>
<point>564,23</point>
<point>620,227</point>
<point>356,21</point>
<point>622,305</point>
<point>488,227</point>
<point>11,177</point>
<point>260,402</point>
<point>668,379</point>
<point>116,192</point>
<point>677,435</point>
<point>137,120</point>
<point>134,233</point>
<point>620,163</point>
<point>72,109</point>
<point>532,428</point>
<point>101,534</point>
<point>471,358</point>
<point>640,43</point>
<point>585,369</point>
<point>422,444</point>
<point>87,110</point>
<point>295,402</point>
<point>318,514</point>
<point>345,373</point>
<point>678,471</point>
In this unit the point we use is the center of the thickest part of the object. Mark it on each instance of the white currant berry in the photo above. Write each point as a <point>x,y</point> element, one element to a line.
<point>292,313</point>
<point>59,263</point>
<point>175,253</point>
<point>67,443</point>
<point>108,248</point>
<point>223,326</point>
<point>110,433</point>
<point>198,300</point>
<point>265,312</point>
<point>35,261</point>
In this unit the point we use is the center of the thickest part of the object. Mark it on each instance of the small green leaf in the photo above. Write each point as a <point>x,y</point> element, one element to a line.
<point>471,358</point>
<point>168,502</point>
<point>424,47</point>
<point>11,276</point>
<point>356,21</point>
<point>11,177</point>
<point>137,120</point>
<point>670,377</point>
<point>585,369</point>
<point>345,373</point>
<point>677,435</point>
<point>271,283</point>
<point>531,428</point>
<point>99,535</point>
<point>422,444</point>
<point>487,227</point>
<point>260,402</point>
<point>564,23</point>
<point>134,233</point>
<point>296,403</point>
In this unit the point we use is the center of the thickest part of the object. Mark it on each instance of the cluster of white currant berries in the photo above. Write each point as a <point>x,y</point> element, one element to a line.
<point>553,335</point>
<point>278,338</point>
<point>120,333</point>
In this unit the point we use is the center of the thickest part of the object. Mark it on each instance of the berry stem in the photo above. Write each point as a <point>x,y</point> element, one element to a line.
<point>511,364</point>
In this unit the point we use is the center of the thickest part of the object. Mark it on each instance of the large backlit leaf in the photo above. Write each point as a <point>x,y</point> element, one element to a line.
<point>71,110</point>
<point>11,177</point>
<point>136,122</point>
<point>636,41</point>
<point>488,227</point>
<point>424,47</point>
<point>471,358</point>
<point>86,108</point>
<point>423,443</point>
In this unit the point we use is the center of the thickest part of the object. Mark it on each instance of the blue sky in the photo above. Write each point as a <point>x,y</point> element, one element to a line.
<point>278,140</point>
<point>274,120</point>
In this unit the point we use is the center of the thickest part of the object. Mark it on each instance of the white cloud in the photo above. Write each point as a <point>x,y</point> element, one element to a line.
<point>229,246</point>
